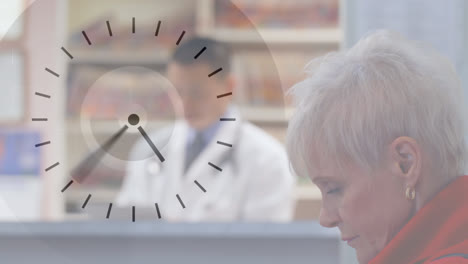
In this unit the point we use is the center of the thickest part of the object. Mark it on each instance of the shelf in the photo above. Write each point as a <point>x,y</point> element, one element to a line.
<point>109,127</point>
<point>281,36</point>
<point>253,114</point>
<point>158,57</point>
<point>106,195</point>
<point>266,114</point>
<point>120,57</point>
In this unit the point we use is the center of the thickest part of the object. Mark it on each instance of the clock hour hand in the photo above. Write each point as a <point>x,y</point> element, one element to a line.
<point>85,167</point>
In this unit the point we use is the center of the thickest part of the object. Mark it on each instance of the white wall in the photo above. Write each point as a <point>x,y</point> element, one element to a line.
<point>45,36</point>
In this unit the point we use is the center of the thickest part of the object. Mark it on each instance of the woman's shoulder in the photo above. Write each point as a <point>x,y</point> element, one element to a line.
<point>451,259</point>
<point>456,254</point>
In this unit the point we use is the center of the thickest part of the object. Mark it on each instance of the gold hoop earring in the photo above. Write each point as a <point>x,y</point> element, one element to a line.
<point>410,193</point>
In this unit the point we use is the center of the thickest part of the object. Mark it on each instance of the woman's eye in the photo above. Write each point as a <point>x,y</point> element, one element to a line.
<point>335,190</point>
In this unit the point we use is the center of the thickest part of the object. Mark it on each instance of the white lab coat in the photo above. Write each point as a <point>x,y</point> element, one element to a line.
<point>255,183</point>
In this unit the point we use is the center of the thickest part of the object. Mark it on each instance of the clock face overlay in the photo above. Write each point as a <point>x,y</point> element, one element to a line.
<point>130,116</point>
<point>134,116</point>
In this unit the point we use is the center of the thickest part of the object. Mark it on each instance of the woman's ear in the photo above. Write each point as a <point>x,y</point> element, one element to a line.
<point>406,159</point>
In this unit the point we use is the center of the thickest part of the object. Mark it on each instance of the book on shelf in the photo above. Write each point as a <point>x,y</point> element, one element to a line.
<point>258,82</point>
<point>97,93</point>
<point>276,14</point>
<point>18,156</point>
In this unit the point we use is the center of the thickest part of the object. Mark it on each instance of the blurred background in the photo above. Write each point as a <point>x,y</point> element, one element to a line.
<point>272,41</point>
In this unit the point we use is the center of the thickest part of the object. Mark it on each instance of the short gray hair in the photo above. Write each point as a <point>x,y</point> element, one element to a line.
<point>356,102</point>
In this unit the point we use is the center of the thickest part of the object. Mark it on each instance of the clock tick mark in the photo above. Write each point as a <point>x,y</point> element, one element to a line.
<point>180,201</point>
<point>66,186</point>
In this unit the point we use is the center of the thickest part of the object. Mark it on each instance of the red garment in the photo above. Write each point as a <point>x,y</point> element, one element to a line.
<point>440,228</point>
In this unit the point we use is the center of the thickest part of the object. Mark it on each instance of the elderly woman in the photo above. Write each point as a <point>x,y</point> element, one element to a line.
<point>379,129</point>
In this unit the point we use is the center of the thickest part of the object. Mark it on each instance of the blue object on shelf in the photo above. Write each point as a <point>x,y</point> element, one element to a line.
<point>18,153</point>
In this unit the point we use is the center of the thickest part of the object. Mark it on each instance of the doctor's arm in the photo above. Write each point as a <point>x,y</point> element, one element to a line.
<point>270,191</point>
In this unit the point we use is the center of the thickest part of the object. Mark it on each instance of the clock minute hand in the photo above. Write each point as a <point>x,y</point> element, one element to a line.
<point>153,147</point>
<point>84,168</point>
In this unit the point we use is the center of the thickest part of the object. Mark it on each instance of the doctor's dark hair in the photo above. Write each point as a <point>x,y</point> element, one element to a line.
<point>215,54</point>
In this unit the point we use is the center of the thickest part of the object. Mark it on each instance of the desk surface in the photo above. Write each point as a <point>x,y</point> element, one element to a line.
<point>118,242</point>
<point>148,229</point>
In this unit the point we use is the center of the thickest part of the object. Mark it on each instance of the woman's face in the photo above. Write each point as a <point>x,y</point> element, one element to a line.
<point>368,209</point>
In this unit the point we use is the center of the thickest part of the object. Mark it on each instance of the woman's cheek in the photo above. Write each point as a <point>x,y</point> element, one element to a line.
<point>355,208</point>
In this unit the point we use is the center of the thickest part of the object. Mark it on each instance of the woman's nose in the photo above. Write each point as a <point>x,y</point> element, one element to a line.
<point>328,219</point>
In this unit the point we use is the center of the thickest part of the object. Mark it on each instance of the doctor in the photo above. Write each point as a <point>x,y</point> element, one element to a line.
<point>214,170</point>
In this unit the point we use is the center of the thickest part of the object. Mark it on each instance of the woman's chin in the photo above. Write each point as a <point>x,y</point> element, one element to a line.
<point>364,256</point>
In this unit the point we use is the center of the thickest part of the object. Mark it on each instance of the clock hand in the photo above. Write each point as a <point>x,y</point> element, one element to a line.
<point>84,168</point>
<point>153,147</point>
